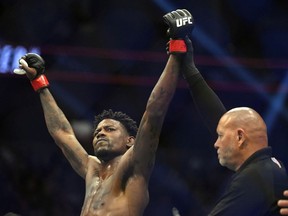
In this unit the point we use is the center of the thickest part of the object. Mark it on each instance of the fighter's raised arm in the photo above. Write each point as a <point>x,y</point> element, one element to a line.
<point>57,124</point>
<point>151,123</point>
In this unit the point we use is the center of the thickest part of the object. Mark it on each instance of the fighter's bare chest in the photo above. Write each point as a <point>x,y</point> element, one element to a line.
<point>98,190</point>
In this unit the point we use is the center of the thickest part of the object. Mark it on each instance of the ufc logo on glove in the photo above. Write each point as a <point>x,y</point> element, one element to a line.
<point>180,24</point>
<point>183,21</point>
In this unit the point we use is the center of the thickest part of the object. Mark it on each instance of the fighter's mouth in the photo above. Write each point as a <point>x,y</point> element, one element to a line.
<point>101,140</point>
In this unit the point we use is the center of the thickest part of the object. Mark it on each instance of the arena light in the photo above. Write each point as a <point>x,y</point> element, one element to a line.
<point>277,104</point>
<point>9,56</point>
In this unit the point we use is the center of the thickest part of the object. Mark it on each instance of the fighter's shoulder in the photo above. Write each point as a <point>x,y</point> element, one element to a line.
<point>93,161</point>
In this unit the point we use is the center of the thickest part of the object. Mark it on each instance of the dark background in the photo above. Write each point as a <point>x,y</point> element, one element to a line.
<point>109,54</point>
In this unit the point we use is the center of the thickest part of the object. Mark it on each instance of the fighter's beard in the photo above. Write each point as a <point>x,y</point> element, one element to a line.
<point>105,154</point>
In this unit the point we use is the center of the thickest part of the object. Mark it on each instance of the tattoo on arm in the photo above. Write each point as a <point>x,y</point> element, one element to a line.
<point>55,118</point>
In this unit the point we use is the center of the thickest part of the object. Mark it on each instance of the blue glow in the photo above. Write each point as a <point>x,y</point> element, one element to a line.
<point>9,56</point>
<point>276,104</point>
<point>166,6</point>
<point>68,99</point>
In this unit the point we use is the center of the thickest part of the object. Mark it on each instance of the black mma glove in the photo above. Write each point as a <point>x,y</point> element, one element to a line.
<point>180,23</point>
<point>35,61</point>
<point>38,79</point>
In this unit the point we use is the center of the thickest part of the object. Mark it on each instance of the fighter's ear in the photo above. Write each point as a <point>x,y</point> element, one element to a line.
<point>130,141</point>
